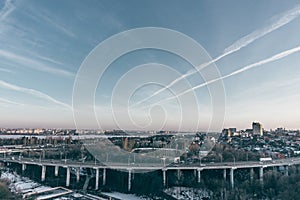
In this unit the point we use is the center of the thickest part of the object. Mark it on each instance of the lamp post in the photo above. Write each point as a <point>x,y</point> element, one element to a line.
<point>200,158</point>
<point>128,159</point>
<point>233,159</point>
<point>65,158</point>
<point>164,161</point>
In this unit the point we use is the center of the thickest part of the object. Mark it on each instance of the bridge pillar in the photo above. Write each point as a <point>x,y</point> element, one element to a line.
<point>232,177</point>
<point>104,176</point>
<point>164,177</point>
<point>199,174</point>
<point>68,177</point>
<point>178,174</point>
<point>261,174</point>
<point>77,174</point>
<point>43,173</point>
<point>97,179</point>
<point>251,174</point>
<point>132,174</point>
<point>56,170</point>
<point>224,174</point>
<point>23,167</point>
<point>195,172</point>
<point>286,170</point>
<point>129,179</point>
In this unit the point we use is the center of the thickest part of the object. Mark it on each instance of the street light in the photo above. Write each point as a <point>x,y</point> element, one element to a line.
<point>164,161</point>
<point>233,159</point>
<point>128,159</point>
<point>65,158</point>
<point>199,158</point>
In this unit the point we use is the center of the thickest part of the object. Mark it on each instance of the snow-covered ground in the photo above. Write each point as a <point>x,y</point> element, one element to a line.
<point>123,196</point>
<point>21,185</point>
<point>185,193</point>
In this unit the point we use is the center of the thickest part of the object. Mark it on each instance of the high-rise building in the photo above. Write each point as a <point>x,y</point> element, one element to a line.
<point>257,128</point>
<point>229,132</point>
<point>232,130</point>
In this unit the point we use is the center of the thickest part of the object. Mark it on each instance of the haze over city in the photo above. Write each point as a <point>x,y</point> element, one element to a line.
<point>44,43</point>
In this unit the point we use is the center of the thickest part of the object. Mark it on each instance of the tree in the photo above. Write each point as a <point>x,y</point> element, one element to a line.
<point>4,191</point>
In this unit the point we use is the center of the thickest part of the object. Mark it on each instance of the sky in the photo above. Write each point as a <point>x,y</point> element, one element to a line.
<point>250,52</point>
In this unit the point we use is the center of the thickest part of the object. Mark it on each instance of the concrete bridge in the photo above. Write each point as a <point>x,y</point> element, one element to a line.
<point>132,168</point>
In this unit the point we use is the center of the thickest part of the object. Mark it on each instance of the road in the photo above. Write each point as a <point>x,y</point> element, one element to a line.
<point>152,166</point>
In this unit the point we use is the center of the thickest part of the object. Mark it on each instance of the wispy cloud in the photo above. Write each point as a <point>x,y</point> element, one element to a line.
<point>6,9</point>
<point>33,64</point>
<point>59,26</point>
<point>33,92</point>
<point>10,102</point>
<point>243,69</point>
<point>5,70</point>
<point>51,19</point>
<point>278,21</point>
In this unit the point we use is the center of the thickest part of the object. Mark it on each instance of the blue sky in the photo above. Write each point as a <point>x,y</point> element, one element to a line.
<point>43,44</point>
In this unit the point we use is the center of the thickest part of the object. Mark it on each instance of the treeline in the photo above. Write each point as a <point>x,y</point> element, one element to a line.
<point>27,141</point>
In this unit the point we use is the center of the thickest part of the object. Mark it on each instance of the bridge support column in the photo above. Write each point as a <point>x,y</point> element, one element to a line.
<point>23,167</point>
<point>132,174</point>
<point>97,179</point>
<point>77,174</point>
<point>178,174</point>
<point>261,174</point>
<point>56,170</point>
<point>164,177</point>
<point>104,176</point>
<point>251,174</point>
<point>195,172</point>
<point>232,177</point>
<point>43,173</point>
<point>129,179</point>
<point>68,177</point>
<point>224,174</point>
<point>199,175</point>
<point>286,170</point>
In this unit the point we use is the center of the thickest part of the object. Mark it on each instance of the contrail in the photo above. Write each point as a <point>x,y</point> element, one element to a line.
<point>34,64</point>
<point>10,102</point>
<point>6,9</point>
<point>253,65</point>
<point>33,92</point>
<point>279,21</point>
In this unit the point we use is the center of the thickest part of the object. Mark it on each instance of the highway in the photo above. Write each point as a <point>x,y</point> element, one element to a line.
<point>152,166</point>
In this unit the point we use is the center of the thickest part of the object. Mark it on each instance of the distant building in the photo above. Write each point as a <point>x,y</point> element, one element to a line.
<point>257,128</point>
<point>232,130</point>
<point>226,132</point>
<point>229,132</point>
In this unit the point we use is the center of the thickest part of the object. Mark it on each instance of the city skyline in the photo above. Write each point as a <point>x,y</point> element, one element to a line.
<point>254,45</point>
